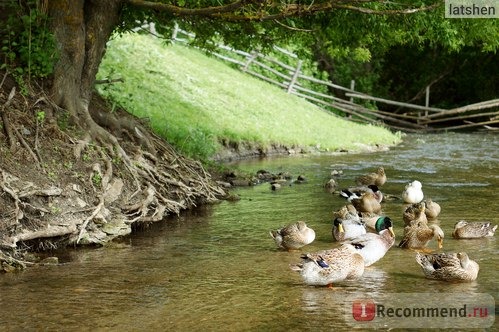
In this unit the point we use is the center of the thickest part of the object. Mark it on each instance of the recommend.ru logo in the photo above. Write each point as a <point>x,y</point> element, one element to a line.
<point>421,310</point>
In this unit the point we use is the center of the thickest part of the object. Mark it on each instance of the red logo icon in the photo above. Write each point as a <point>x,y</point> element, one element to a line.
<point>363,310</point>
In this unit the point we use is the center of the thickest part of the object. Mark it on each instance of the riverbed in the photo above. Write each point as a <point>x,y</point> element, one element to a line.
<point>216,268</point>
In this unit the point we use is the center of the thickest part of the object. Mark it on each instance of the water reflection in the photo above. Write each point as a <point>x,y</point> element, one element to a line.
<point>217,268</point>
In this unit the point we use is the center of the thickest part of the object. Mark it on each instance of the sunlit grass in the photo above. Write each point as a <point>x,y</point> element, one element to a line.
<point>196,101</point>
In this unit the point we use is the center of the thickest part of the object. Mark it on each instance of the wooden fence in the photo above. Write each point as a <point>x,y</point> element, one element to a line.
<point>414,118</point>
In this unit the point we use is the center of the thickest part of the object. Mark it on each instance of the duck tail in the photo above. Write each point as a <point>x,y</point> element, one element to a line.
<point>345,193</point>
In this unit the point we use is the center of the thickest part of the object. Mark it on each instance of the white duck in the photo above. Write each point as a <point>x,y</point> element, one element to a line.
<point>413,192</point>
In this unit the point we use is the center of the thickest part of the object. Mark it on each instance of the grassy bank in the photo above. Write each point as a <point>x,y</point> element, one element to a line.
<point>196,102</point>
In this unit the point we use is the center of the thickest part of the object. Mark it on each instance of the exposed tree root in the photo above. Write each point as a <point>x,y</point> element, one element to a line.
<point>93,187</point>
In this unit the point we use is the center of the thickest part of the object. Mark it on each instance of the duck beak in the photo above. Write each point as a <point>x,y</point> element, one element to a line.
<point>440,243</point>
<point>340,228</point>
<point>391,231</point>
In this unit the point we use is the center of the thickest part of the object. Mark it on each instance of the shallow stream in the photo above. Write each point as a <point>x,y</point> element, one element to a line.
<point>216,268</point>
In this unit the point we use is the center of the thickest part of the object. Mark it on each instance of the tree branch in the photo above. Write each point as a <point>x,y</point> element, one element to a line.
<point>273,10</point>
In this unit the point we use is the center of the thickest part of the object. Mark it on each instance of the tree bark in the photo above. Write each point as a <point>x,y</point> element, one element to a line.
<point>82,29</point>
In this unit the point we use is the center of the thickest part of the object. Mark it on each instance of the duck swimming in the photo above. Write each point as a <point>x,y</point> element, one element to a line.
<point>473,230</point>
<point>448,266</point>
<point>293,236</point>
<point>378,178</point>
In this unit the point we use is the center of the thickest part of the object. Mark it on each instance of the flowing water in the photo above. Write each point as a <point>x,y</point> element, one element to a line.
<point>216,268</point>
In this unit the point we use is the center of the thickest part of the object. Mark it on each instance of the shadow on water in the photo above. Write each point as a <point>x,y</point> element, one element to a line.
<point>216,268</point>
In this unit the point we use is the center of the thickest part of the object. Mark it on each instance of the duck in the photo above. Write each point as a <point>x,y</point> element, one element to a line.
<point>448,266</point>
<point>367,202</point>
<point>432,209</point>
<point>413,192</point>
<point>418,235</point>
<point>330,186</point>
<point>473,230</point>
<point>378,178</point>
<point>415,213</point>
<point>323,268</point>
<point>371,246</point>
<point>357,192</point>
<point>347,228</point>
<point>293,236</point>
<point>376,223</point>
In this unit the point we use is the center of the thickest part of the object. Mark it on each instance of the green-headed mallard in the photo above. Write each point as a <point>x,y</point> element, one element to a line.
<point>372,247</point>
<point>418,235</point>
<point>414,213</point>
<point>413,192</point>
<point>448,266</point>
<point>432,209</point>
<point>293,236</point>
<point>367,202</point>
<point>347,225</point>
<point>323,268</point>
<point>473,230</point>
<point>378,178</point>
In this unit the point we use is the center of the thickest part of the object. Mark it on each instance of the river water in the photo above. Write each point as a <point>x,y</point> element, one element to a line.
<point>216,268</point>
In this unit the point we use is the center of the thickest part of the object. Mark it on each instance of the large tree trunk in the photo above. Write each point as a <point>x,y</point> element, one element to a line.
<point>82,29</point>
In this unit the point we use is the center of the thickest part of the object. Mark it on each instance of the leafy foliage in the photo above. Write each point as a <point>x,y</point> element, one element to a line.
<point>28,45</point>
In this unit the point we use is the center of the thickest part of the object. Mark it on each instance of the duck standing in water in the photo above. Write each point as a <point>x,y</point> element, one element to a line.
<point>418,235</point>
<point>293,236</point>
<point>413,192</point>
<point>448,266</point>
<point>367,203</point>
<point>473,230</point>
<point>378,178</point>
<point>414,213</point>
<point>357,192</point>
<point>323,268</point>
<point>432,209</point>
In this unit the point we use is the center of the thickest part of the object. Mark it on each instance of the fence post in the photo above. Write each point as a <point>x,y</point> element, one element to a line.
<point>175,32</point>
<point>295,76</point>
<point>251,58</point>
<point>352,87</point>
<point>427,99</point>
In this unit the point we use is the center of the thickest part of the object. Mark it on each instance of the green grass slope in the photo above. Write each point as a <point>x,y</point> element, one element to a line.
<point>195,102</point>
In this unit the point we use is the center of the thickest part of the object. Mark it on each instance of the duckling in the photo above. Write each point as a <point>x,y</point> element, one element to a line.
<point>356,192</point>
<point>372,247</point>
<point>413,192</point>
<point>448,266</point>
<point>367,202</point>
<point>378,178</point>
<point>473,230</point>
<point>414,213</point>
<point>418,235</point>
<point>432,209</point>
<point>326,267</point>
<point>293,236</point>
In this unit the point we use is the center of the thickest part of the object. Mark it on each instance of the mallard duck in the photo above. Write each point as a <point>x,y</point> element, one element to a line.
<point>413,192</point>
<point>375,222</point>
<point>347,228</point>
<point>473,230</point>
<point>448,266</point>
<point>330,185</point>
<point>378,178</point>
<point>357,192</point>
<point>432,209</point>
<point>367,202</point>
<point>372,247</point>
<point>326,267</point>
<point>418,235</point>
<point>414,213</point>
<point>293,236</point>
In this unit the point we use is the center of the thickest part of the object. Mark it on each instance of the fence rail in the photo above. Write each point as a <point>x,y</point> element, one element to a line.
<point>416,118</point>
